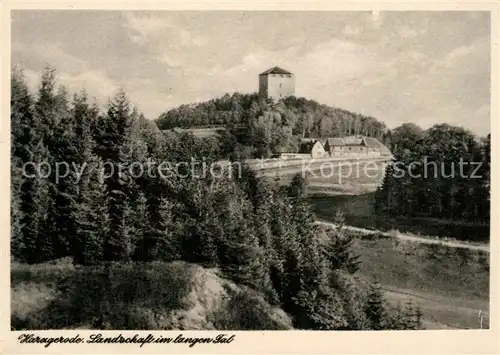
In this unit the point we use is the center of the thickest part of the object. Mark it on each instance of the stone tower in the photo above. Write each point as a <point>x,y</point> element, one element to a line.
<point>276,83</point>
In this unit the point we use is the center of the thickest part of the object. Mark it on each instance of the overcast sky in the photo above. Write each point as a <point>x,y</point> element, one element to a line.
<point>420,67</point>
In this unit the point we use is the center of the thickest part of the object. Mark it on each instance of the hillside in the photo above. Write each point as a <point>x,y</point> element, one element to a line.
<point>265,127</point>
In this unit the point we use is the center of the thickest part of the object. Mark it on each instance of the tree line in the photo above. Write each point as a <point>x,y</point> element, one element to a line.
<point>426,179</point>
<point>259,234</point>
<point>266,127</point>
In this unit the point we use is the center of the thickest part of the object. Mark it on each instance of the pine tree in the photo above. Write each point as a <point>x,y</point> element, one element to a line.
<point>240,254</point>
<point>45,107</point>
<point>408,315</point>
<point>316,306</point>
<point>23,140</point>
<point>23,127</point>
<point>16,216</point>
<point>151,229</point>
<point>114,146</point>
<point>339,248</point>
<point>24,124</point>
<point>91,215</point>
<point>286,246</point>
<point>164,233</point>
<point>201,230</point>
<point>85,117</point>
<point>89,211</point>
<point>418,318</point>
<point>397,319</point>
<point>297,187</point>
<point>57,135</point>
<point>36,199</point>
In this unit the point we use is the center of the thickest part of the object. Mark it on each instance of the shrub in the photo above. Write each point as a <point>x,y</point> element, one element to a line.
<point>247,310</point>
<point>28,303</point>
<point>47,273</point>
<point>111,295</point>
<point>117,296</point>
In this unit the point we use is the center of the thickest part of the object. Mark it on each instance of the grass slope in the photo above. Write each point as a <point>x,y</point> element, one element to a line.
<point>450,284</point>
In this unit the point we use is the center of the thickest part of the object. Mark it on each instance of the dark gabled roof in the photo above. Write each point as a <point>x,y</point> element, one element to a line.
<point>335,142</point>
<point>353,140</point>
<point>275,70</point>
<point>371,142</point>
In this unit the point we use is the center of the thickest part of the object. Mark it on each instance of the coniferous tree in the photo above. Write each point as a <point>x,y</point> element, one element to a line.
<point>91,215</point>
<point>418,318</point>
<point>164,234</point>
<point>56,134</point>
<point>90,210</point>
<point>240,254</point>
<point>64,151</point>
<point>339,248</point>
<point>114,145</point>
<point>284,270</point>
<point>16,216</point>
<point>153,231</point>
<point>374,307</point>
<point>38,244</point>
<point>23,139</point>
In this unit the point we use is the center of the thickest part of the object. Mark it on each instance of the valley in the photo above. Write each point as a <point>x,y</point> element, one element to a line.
<point>425,262</point>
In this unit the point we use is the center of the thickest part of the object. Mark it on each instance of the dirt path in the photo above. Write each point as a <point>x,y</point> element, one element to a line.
<point>412,238</point>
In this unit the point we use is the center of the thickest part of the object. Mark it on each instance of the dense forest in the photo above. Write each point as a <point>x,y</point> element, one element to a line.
<point>427,178</point>
<point>258,234</point>
<point>260,127</point>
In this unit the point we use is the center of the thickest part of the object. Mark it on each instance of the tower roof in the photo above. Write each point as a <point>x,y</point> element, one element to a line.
<point>275,70</point>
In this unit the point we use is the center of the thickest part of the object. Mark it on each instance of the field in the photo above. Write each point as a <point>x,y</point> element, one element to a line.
<point>358,211</point>
<point>450,284</point>
<point>332,177</point>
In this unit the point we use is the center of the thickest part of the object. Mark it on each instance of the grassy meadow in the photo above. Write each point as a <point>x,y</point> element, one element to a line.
<point>450,284</point>
<point>358,211</point>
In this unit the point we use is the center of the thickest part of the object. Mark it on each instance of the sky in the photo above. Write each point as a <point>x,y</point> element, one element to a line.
<point>419,67</point>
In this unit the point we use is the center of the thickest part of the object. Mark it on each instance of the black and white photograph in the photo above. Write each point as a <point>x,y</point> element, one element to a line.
<point>181,170</point>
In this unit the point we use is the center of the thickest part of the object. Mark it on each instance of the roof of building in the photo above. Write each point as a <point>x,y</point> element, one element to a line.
<point>275,70</point>
<point>371,142</point>
<point>352,141</point>
<point>335,142</point>
<point>356,140</point>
